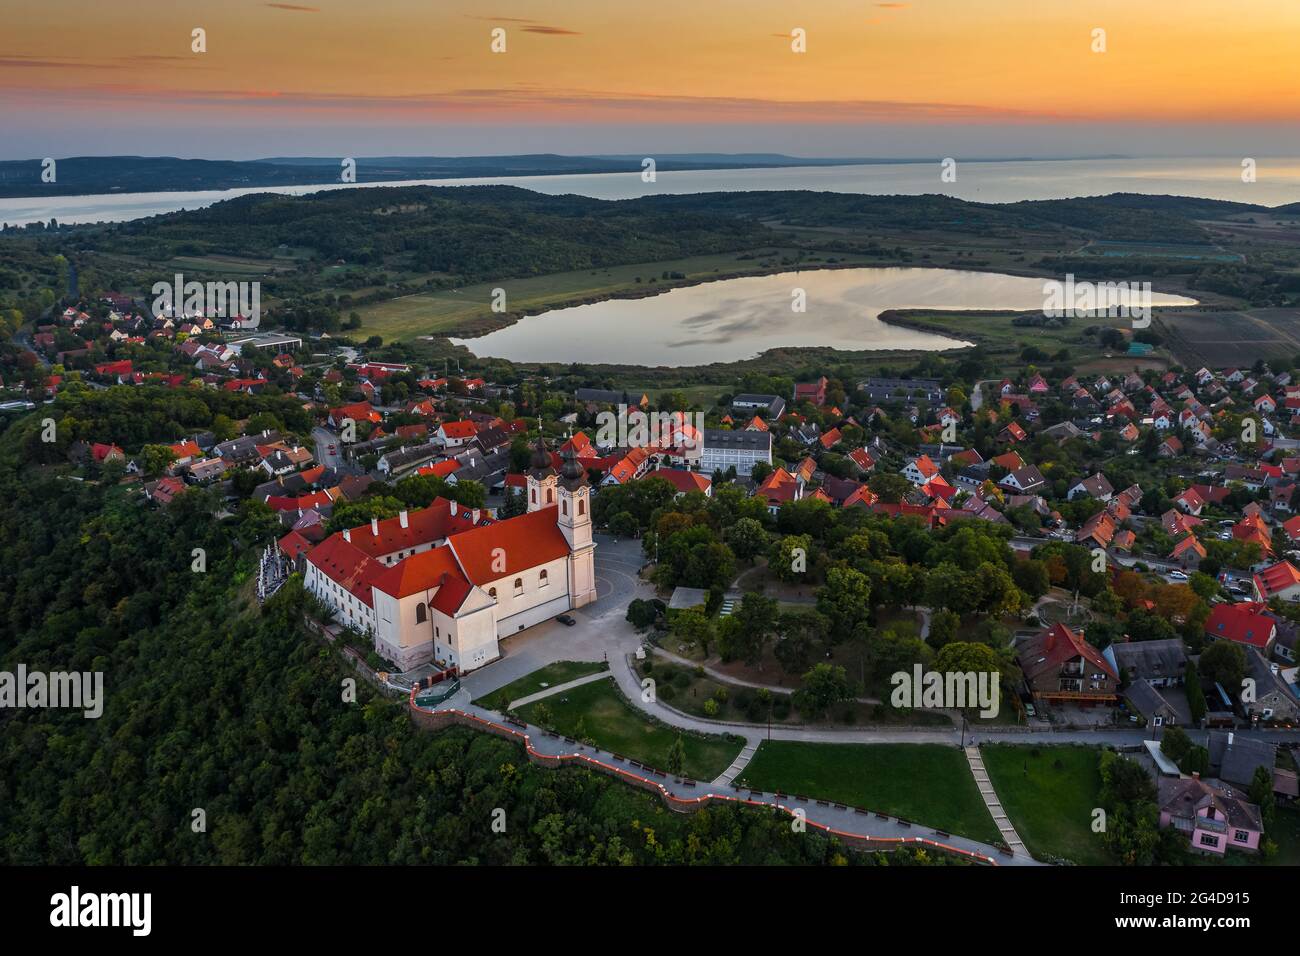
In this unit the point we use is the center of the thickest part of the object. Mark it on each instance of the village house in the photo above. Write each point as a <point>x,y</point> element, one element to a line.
<point>1061,667</point>
<point>1210,814</point>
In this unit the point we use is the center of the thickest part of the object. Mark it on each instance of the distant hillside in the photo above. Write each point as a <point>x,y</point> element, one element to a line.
<point>84,175</point>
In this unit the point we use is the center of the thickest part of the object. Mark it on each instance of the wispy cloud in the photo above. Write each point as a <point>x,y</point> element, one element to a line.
<point>528,104</point>
<point>551,31</point>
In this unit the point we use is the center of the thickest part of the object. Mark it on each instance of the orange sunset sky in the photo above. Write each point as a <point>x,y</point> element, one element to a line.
<point>1013,77</point>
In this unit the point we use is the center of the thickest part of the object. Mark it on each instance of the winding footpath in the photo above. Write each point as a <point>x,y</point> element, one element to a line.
<point>858,827</point>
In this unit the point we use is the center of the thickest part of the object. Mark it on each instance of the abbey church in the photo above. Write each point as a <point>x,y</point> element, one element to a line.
<point>446,583</point>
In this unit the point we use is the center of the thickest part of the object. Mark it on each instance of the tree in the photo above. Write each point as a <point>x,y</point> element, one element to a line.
<point>1224,663</point>
<point>677,757</point>
<point>154,459</point>
<point>1195,696</point>
<point>823,687</point>
<point>1175,744</point>
<point>790,558</point>
<point>691,625</point>
<point>747,538</point>
<point>1261,794</point>
<point>1128,795</point>
<point>943,627</point>
<point>845,600</point>
<point>890,487</point>
<point>799,631</point>
<point>748,630</point>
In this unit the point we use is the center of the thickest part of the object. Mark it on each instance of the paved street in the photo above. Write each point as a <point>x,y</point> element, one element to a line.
<point>323,439</point>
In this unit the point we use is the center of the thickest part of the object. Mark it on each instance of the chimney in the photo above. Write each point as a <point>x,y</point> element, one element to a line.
<point>401,517</point>
<point>453,507</point>
<point>374,527</point>
<point>475,515</point>
<point>1230,736</point>
<point>347,534</point>
<point>1196,775</point>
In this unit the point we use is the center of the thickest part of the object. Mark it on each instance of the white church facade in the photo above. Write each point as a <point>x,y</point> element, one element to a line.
<point>446,583</point>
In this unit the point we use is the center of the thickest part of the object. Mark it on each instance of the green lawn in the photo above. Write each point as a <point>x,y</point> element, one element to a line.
<point>598,712</point>
<point>560,672</point>
<point>1050,806</point>
<point>1285,832</point>
<point>929,784</point>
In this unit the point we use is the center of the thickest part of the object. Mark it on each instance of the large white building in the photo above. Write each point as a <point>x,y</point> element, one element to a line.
<point>739,449</point>
<point>446,583</point>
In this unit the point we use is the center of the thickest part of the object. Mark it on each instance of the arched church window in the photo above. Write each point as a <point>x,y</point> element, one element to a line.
<point>421,613</point>
<point>542,580</point>
<point>519,586</point>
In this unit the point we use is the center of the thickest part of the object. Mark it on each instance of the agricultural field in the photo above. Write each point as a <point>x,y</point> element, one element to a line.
<point>1225,338</point>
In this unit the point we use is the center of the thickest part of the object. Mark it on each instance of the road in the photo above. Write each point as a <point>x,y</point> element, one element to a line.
<point>1158,565</point>
<point>323,439</point>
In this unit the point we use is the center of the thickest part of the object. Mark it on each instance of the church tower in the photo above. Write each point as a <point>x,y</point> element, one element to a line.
<point>574,519</point>
<point>541,478</point>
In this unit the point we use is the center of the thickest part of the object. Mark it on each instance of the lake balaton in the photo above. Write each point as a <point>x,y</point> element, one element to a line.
<point>734,319</point>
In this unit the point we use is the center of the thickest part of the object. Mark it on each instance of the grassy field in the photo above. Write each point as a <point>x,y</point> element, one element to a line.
<point>468,309</point>
<point>995,331</point>
<point>1049,805</point>
<point>597,711</point>
<point>560,672</point>
<point>1285,832</point>
<point>928,784</point>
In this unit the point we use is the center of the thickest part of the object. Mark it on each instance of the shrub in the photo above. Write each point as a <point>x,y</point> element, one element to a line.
<point>667,692</point>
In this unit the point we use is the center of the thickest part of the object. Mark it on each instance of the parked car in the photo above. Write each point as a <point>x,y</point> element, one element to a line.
<point>1178,575</point>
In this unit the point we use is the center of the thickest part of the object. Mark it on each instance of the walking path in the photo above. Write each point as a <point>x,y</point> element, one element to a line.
<point>740,763</point>
<point>850,823</point>
<point>558,688</point>
<point>1009,835</point>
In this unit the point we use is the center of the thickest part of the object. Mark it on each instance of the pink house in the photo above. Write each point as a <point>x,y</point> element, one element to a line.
<point>1212,814</point>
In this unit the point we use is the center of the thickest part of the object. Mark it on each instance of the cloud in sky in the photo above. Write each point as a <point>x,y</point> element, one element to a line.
<point>898,63</point>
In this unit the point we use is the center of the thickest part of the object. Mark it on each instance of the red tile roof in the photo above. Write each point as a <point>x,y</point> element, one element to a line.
<point>524,542</point>
<point>1058,644</point>
<point>1243,623</point>
<point>683,480</point>
<point>1276,578</point>
<point>461,429</point>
